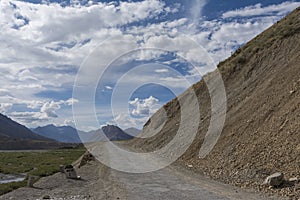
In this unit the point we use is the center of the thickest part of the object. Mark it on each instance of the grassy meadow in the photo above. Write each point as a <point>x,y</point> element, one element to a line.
<point>43,163</point>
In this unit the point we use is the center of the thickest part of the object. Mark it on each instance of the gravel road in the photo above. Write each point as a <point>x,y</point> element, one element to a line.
<point>174,184</point>
<point>99,182</point>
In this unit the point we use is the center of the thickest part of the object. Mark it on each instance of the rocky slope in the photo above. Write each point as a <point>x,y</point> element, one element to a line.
<point>132,131</point>
<point>261,132</point>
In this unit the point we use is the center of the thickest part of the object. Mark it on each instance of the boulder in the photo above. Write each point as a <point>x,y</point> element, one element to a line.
<point>274,180</point>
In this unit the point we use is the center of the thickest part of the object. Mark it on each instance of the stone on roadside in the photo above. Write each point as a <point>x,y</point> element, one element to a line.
<point>62,169</point>
<point>46,197</point>
<point>87,157</point>
<point>294,180</point>
<point>274,180</point>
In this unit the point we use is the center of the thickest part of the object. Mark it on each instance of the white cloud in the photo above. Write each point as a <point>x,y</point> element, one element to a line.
<point>161,70</point>
<point>29,118</point>
<point>108,87</point>
<point>239,32</point>
<point>196,9</point>
<point>125,121</point>
<point>69,102</point>
<point>4,92</point>
<point>42,46</point>
<point>144,107</point>
<point>49,108</point>
<point>4,107</point>
<point>38,40</point>
<point>47,111</point>
<point>258,9</point>
<point>69,122</point>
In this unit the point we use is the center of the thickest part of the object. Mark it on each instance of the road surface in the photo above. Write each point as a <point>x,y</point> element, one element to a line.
<point>100,182</point>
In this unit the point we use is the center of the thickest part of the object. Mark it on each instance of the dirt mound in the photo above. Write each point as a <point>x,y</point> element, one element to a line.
<point>261,132</point>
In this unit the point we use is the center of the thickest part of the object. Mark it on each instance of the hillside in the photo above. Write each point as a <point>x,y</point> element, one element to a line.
<point>14,130</point>
<point>14,136</point>
<point>132,131</point>
<point>261,132</point>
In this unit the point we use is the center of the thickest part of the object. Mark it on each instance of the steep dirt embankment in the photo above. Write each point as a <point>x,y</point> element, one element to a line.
<point>261,132</point>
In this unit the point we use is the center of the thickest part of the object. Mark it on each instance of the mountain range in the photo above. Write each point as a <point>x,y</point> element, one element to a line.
<point>68,134</point>
<point>14,136</point>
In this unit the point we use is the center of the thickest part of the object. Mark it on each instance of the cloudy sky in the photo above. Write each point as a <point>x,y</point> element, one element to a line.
<point>136,55</point>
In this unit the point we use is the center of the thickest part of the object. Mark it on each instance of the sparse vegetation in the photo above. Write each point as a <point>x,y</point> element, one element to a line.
<point>43,163</point>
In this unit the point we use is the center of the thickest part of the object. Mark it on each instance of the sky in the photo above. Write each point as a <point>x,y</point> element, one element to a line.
<point>134,55</point>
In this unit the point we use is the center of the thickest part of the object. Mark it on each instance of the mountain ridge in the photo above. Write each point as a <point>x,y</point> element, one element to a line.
<point>69,134</point>
<point>14,136</point>
<point>66,134</point>
<point>13,129</point>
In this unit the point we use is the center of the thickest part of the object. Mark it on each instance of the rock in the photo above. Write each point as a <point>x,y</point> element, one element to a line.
<point>70,172</point>
<point>30,181</point>
<point>274,180</point>
<point>46,197</point>
<point>294,180</point>
<point>292,91</point>
<point>62,169</point>
<point>87,157</point>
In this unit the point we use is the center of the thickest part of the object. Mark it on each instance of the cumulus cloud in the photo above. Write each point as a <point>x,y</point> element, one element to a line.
<point>46,110</point>
<point>49,108</point>
<point>126,121</point>
<point>51,36</point>
<point>42,45</point>
<point>144,107</point>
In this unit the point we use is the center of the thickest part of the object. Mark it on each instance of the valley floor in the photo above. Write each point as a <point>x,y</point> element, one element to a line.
<point>99,182</point>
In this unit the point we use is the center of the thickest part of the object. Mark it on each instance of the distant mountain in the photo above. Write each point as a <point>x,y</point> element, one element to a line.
<point>65,134</point>
<point>114,133</point>
<point>132,131</point>
<point>14,136</point>
<point>13,130</point>
<point>68,134</point>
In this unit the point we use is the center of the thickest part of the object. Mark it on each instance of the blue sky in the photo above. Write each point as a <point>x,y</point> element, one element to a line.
<point>44,45</point>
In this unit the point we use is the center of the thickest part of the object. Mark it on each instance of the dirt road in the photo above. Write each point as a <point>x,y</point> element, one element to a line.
<point>171,184</point>
<point>99,182</point>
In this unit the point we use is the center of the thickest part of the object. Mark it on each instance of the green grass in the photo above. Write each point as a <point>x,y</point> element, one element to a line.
<point>34,163</point>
